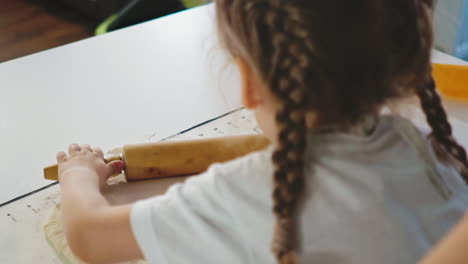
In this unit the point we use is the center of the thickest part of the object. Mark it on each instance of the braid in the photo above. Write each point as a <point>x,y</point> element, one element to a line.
<point>441,128</point>
<point>431,102</point>
<point>291,55</point>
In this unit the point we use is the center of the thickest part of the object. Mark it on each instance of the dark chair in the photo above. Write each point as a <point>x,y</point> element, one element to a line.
<point>138,11</point>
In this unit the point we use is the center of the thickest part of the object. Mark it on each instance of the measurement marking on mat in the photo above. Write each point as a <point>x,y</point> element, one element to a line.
<point>12,218</point>
<point>245,118</point>
<point>219,131</point>
<point>151,137</point>
<point>34,210</point>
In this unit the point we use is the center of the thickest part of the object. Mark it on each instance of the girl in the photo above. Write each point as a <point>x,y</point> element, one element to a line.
<point>348,184</point>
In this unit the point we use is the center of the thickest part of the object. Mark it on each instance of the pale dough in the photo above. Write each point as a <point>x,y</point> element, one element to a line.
<point>118,192</point>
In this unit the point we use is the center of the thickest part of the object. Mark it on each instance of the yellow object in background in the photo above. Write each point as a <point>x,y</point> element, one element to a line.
<point>452,80</point>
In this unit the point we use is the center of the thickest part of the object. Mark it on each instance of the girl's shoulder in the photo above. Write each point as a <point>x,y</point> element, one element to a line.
<point>417,137</point>
<point>258,160</point>
<point>252,166</point>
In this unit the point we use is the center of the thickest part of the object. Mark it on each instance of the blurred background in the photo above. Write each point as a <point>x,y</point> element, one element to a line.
<point>29,26</point>
<point>451,26</point>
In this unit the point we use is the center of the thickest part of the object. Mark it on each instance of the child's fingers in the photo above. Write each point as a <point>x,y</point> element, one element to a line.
<point>99,152</point>
<point>86,147</point>
<point>115,167</point>
<point>73,148</point>
<point>61,157</point>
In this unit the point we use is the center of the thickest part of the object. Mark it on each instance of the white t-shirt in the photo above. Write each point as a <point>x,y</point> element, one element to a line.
<point>381,199</point>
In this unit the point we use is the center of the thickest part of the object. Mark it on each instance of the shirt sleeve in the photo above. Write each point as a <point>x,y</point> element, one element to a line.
<point>191,223</point>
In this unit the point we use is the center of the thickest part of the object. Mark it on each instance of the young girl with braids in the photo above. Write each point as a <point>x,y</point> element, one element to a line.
<point>341,183</point>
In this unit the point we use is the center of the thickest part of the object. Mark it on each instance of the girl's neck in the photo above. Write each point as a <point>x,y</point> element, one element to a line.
<point>364,127</point>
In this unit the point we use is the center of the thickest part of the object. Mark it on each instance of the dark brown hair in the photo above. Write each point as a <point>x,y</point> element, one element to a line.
<point>340,59</point>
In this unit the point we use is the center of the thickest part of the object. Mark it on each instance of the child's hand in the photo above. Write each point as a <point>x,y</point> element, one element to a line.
<point>84,163</point>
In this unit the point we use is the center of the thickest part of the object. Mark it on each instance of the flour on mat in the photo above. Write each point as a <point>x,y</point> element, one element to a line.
<point>55,233</point>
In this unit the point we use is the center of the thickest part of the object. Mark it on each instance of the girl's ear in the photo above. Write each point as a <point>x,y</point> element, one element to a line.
<point>252,93</point>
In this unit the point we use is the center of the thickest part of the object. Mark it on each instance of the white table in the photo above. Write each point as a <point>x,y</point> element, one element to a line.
<point>138,84</point>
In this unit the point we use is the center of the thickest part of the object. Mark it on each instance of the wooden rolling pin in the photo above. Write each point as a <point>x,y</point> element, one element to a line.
<point>178,158</point>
